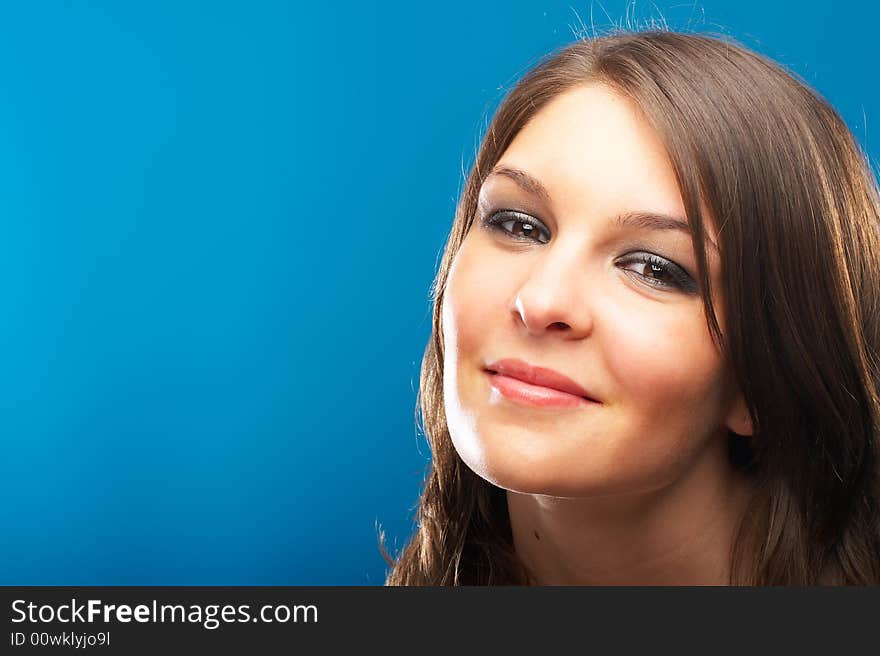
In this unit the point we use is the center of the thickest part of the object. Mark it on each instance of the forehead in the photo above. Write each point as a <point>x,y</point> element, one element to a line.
<point>593,150</point>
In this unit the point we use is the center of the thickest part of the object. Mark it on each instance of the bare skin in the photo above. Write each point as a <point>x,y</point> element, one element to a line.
<point>678,535</point>
<point>636,487</point>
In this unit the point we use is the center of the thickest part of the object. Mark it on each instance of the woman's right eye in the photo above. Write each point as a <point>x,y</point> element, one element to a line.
<point>519,226</point>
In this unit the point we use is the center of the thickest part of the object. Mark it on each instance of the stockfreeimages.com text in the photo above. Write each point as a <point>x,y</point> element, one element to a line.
<point>210,616</point>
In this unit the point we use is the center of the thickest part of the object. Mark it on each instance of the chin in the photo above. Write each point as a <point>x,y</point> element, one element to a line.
<point>527,476</point>
<point>538,486</point>
<point>552,474</point>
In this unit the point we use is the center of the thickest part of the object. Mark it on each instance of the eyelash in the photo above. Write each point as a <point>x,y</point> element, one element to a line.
<point>680,279</point>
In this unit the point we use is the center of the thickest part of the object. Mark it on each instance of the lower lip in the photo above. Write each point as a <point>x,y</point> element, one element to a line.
<point>535,395</point>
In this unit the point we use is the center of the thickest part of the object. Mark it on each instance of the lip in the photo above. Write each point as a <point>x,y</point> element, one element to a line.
<point>538,386</point>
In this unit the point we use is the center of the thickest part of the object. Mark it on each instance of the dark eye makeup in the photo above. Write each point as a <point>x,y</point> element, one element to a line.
<point>657,272</point>
<point>531,227</point>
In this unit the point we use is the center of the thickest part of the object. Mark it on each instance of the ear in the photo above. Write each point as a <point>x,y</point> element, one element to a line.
<point>738,418</point>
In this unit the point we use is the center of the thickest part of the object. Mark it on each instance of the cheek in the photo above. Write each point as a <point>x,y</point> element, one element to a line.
<point>666,363</point>
<point>472,302</point>
<point>468,307</point>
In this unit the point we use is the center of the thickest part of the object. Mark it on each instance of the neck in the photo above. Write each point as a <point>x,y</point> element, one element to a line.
<point>678,534</point>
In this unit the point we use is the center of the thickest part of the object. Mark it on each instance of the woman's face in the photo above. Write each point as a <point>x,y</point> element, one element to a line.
<point>553,275</point>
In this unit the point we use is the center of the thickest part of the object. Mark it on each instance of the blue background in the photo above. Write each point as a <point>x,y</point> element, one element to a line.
<point>220,223</point>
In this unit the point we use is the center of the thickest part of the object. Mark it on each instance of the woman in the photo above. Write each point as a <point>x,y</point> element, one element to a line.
<point>655,355</point>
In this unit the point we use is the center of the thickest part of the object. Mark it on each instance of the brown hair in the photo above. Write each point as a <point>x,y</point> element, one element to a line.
<point>798,211</point>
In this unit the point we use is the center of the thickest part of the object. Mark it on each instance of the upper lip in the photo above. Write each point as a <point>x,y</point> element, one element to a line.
<point>538,376</point>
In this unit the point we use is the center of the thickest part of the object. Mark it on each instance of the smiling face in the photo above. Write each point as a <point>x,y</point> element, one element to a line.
<point>577,262</point>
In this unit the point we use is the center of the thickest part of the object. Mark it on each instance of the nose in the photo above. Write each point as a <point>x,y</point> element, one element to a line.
<point>553,298</point>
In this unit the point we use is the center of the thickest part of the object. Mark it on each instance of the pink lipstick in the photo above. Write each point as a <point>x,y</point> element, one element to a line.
<point>521,382</point>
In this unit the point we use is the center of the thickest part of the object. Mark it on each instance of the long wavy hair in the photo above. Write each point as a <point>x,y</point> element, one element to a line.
<point>798,211</point>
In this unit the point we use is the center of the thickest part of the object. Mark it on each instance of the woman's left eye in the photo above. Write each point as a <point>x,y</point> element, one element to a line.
<point>518,226</point>
<point>659,272</point>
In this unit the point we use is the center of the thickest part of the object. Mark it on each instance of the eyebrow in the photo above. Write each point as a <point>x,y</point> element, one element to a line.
<point>631,220</point>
